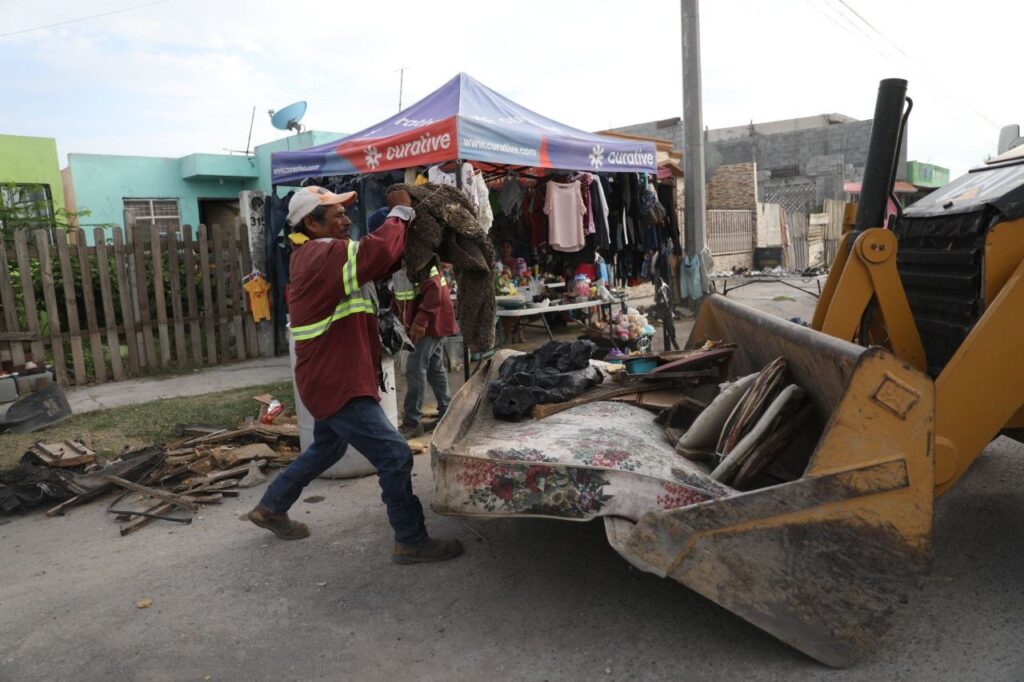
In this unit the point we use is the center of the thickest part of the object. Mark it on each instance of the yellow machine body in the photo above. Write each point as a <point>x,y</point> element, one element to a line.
<point>914,367</point>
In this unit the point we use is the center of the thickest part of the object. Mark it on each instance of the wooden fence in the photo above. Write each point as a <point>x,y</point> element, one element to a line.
<point>125,308</point>
<point>730,231</point>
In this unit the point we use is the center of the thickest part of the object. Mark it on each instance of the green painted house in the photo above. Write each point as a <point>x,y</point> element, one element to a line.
<point>30,176</point>
<point>926,175</point>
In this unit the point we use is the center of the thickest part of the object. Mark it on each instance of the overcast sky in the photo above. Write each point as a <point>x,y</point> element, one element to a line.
<point>181,76</point>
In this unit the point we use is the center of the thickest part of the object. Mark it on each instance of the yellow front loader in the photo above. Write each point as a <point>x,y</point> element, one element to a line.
<point>913,361</point>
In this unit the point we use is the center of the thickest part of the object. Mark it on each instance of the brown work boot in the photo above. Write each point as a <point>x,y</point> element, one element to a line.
<point>278,524</point>
<point>431,550</point>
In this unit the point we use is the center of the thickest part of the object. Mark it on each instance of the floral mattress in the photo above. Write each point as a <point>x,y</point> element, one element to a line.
<point>600,459</point>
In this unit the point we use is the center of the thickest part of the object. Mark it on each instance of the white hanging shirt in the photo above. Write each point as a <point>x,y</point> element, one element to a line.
<point>565,209</point>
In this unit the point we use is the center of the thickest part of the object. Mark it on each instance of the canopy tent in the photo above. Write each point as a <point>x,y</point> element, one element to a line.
<point>464,119</point>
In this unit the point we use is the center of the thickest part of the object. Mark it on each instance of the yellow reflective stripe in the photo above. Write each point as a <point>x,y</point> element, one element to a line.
<point>405,295</point>
<point>435,273</point>
<point>348,271</point>
<point>355,305</point>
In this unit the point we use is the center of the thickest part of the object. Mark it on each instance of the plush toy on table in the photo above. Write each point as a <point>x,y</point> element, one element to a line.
<point>582,286</point>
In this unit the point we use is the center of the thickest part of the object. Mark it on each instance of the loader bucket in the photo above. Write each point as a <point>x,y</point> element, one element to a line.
<point>821,562</point>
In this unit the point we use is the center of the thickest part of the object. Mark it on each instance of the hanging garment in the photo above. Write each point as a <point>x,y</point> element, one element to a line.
<point>438,177</point>
<point>690,278</point>
<point>588,223</point>
<point>511,195</point>
<point>600,212</point>
<point>483,202</point>
<point>565,209</point>
<point>259,297</point>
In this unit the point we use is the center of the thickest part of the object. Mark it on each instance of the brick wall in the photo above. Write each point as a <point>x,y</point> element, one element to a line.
<point>733,187</point>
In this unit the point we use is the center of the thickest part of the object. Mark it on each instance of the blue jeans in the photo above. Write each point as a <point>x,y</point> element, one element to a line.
<point>362,423</point>
<point>425,363</point>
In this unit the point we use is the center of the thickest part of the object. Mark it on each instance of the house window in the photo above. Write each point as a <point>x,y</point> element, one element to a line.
<point>28,205</point>
<point>160,212</point>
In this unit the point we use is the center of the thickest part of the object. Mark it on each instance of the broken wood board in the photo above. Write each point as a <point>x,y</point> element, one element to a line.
<point>659,399</point>
<point>591,396</point>
<point>66,453</point>
<point>169,497</point>
<point>230,457</point>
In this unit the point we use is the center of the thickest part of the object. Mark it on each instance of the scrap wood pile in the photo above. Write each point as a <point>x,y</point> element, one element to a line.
<point>751,432</point>
<point>202,465</point>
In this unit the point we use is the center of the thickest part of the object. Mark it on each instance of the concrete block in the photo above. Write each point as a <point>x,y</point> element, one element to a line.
<point>8,389</point>
<point>29,383</point>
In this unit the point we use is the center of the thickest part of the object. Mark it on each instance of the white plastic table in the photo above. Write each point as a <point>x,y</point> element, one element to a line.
<point>521,314</point>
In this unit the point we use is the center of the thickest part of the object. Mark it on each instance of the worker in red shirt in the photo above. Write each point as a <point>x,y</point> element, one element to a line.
<point>333,310</point>
<point>428,319</point>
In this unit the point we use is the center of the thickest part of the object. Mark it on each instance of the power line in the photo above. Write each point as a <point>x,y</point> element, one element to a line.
<point>967,106</point>
<point>872,27</point>
<point>80,19</point>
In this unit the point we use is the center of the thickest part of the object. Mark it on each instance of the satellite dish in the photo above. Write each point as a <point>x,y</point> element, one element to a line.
<point>289,117</point>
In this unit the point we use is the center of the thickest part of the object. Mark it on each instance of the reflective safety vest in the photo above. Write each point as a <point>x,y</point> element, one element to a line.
<point>401,283</point>
<point>356,299</point>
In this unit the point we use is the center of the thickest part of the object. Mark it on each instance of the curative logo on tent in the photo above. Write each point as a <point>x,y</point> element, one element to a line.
<point>597,156</point>
<point>372,157</point>
<point>637,158</point>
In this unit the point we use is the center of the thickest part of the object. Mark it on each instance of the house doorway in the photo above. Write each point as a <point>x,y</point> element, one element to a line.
<point>223,212</point>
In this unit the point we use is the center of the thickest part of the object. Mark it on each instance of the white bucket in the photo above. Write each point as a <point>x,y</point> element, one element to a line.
<point>353,463</point>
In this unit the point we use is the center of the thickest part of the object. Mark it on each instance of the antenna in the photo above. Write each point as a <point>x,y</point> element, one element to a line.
<point>289,117</point>
<point>401,83</point>
<point>252,120</point>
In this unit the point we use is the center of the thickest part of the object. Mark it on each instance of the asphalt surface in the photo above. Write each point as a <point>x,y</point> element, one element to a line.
<point>530,600</point>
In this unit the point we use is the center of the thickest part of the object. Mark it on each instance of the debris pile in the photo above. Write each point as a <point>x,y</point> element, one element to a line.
<point>201,466</point>
<point>737,431</point>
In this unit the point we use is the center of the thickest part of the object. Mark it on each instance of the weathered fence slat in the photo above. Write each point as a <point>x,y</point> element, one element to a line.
<point>180,350</point>
<point>142,293</point>
<point>236,296</point>
<point>127,307</point>
<point>195,335</point>
<point>159,297</point>
<point>28,295</point>
<point>107,300</point>
<point>10,317</point>
<point>220,267</point>
<point>251,331</point>
<point>99,363</point>
<point>71,307</point>
<point>60,368</point>
<point>204,263</point>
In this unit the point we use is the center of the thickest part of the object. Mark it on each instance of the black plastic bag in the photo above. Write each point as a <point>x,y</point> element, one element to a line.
<point>561,356</point>
<point>556,372</point>
<point>393,338</point>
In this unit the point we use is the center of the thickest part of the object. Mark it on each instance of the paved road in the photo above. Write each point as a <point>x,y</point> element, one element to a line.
<point>535,600</point>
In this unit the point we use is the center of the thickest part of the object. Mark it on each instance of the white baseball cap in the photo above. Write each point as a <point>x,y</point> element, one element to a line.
<point>308,198</point>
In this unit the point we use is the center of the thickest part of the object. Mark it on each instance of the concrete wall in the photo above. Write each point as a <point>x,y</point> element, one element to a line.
<point>800,162</point>
<point>31,160</point>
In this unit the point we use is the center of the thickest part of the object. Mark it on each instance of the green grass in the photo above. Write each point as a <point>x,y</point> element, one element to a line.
<point>153,422</point>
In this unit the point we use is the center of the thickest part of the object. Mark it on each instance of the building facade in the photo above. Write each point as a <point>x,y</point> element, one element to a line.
<point>30,176</point>
<point>165,192</point>
<point>800,162</point>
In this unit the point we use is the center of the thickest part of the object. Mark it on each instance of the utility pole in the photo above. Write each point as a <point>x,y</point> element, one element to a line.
<point>695,214</point>
<point>401,84</point>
